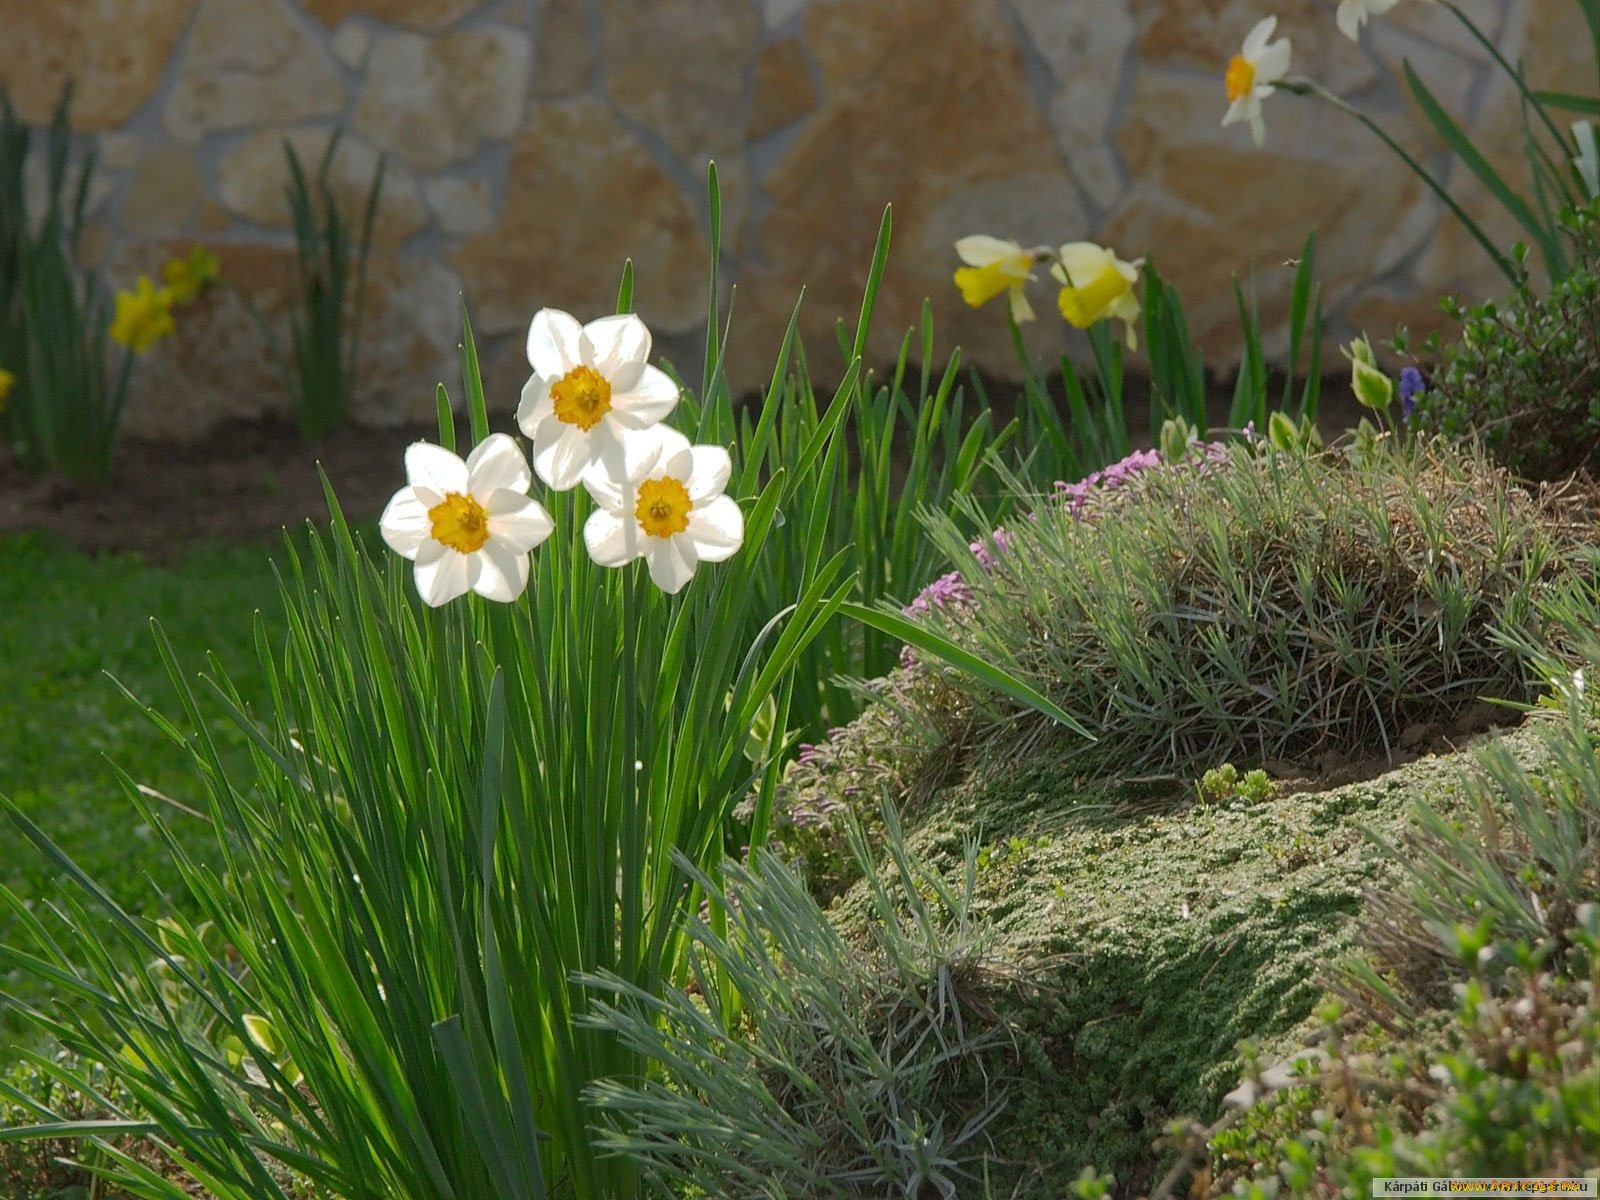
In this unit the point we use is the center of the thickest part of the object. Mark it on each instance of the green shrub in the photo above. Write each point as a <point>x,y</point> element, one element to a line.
<point>800,1064</point>
<point>1524,377</point>
<point>1271,605</point>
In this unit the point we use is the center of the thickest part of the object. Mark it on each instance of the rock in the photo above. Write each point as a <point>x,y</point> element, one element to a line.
<point>119,151</point>
<point>115,56</point>
<point>1206,204</point>
<point>426,15</point>
<point>1202,35</point>
<point>351,44</point>
<point>218,367</point>
<point>166,189</point>
<point>846,162</point>
<point>463,207</point>
<point>431,101</point>
<point>782,92</point>
<point>582,195</point>
<point>248,62</point>
<point>563,64</point>
<point>775,14</point>
<point>670,66</point>
<point>253,175</point>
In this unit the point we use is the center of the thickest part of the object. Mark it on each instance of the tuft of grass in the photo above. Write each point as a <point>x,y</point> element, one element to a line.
<point>798,1063</point>
<point>1265,604</point>
<point>73,627</point>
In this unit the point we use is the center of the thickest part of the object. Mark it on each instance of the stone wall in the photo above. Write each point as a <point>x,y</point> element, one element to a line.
<point>533,146</point>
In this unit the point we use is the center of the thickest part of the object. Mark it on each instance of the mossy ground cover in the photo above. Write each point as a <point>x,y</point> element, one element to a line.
<point>1153,936</point>
<point>71,624</point>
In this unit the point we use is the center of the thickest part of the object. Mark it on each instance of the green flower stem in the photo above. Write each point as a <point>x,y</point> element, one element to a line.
<point>1309,87</point>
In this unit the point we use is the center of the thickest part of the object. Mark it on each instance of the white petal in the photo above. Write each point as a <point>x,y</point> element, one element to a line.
<point>980,249</point>
<point>561,454</point>
<point>620,346</point>
<point>1258,127</point>
<point>536,407</point>
<point>650,398</point>
<point>497,463</point>
<point>710,473</point>
<point>441,579</point>
<point>435,468</point>
<point>669,562</point>
<point>676,461</point>
<point>1021,310</point>
<point>1258,36</point>
<point>1351,16</point>
<point>502,572</point>
<point>1083,261</point>
<point>518,520</point>
<point>612,540</point>
<point>554,338</point>
<point>716,529</point>
<point>1273,64</point>
<point>405,523</point>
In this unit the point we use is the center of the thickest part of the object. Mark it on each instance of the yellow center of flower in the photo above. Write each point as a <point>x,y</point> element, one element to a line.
<point>460,523</point>
<point>1083,306</point>
<point>582,397</point>
<point>1241,77</point>
<point>663,507</point>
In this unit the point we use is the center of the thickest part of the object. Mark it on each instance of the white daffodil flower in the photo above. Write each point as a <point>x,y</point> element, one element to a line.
<point>469,526</point>
<point>592,387</point>
<point>1252,73</point>
<point>1353,14</point>
<point>994,266</point>
<point>1098,287</point>
<point>670,509</point>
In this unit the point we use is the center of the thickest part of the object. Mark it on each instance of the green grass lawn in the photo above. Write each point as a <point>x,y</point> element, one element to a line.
<point>69,623</point>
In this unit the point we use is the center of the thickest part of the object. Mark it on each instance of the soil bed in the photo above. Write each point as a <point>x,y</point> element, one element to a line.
<point>244,482</point>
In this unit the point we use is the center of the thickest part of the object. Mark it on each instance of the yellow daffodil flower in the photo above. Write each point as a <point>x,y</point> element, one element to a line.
<point>994,266</point>
<point>188,277</point>
<point>7,382</point>
<point>469,526</point>
<point>1098,287</point>
<point>1251,74</point>
<point>144,316</point>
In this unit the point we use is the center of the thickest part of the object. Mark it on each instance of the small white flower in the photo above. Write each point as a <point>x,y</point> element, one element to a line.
<point>1353,14</point>
<point>1251,75</point>
<point>469,526</point>
<point>592,387</point>
<point>670,509</point>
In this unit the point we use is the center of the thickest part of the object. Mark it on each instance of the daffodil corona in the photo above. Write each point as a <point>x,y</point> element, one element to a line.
<point>592,389</point>
<point>1098,286</point>
<point>670,510</point>
<point>1251,74</point>
<point>143,316</point>
<point>994,266</point>
<point>469,526</point>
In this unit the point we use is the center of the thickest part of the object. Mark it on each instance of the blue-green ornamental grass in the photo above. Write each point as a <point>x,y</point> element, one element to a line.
<point>450,809</point>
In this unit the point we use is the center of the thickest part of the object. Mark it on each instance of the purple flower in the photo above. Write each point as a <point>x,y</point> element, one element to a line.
<point>947,589</point>
<point>1411,385</point>
<point>986,558</point>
